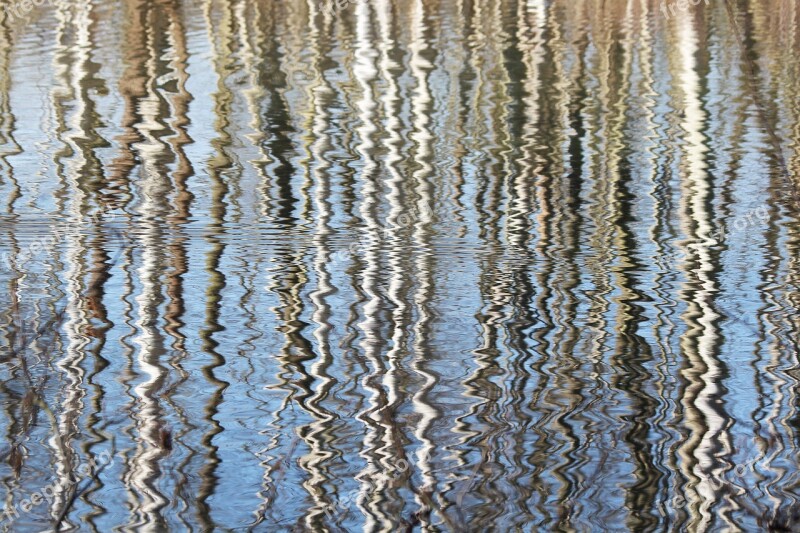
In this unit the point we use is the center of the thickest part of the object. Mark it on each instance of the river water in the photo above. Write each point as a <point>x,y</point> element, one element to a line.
<point>378,265</point>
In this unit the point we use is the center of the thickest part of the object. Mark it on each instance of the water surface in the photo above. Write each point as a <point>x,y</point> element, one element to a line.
<point>424,265</point>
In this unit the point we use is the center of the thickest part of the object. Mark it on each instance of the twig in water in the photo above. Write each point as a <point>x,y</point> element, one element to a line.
<point>282,468</point>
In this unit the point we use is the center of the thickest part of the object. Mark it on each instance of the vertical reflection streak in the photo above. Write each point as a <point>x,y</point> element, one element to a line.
<point>424,266</point>
<point>704,416</point>
<point>71,70</point>
<point>378,420</point>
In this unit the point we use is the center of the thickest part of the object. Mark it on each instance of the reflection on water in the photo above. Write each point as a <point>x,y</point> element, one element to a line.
<point>399,264</point>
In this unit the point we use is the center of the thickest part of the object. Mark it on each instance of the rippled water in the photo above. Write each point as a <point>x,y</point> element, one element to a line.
<point>400,265</point>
